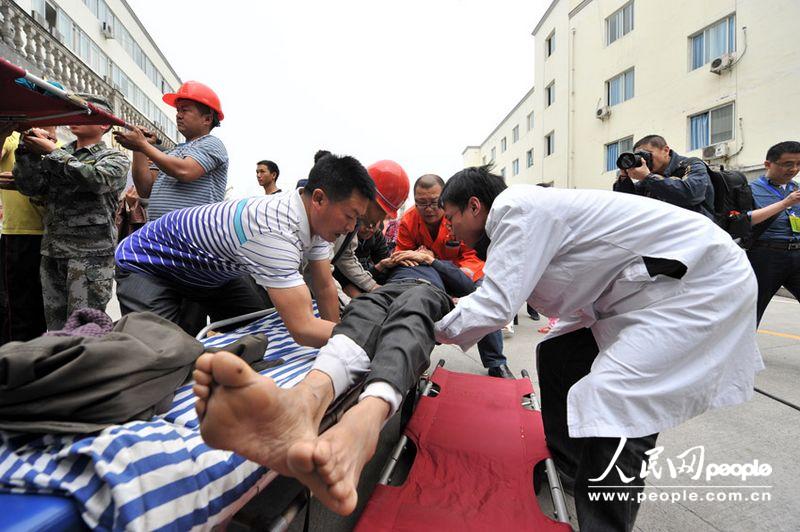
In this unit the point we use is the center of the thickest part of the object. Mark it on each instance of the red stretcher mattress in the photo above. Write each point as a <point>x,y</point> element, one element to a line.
<point>476,450</point>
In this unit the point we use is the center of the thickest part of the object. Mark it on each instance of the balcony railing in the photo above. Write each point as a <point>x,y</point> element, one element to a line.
<point>40,52</point>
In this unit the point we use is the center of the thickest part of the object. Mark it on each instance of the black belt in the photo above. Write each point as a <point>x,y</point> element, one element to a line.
<point>783,245</point>
<point>414,280</point>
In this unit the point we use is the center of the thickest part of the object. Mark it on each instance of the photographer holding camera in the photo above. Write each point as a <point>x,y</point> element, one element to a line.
<point>656,171</point>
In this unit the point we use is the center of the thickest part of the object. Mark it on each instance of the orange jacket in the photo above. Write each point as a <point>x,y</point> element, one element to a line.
<point>413,233</point>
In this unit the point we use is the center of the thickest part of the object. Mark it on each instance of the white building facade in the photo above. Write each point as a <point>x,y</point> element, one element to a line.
<point>97,46</point>
<point>719,79</point>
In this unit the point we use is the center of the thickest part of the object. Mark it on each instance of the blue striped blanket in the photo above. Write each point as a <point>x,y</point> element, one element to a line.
<point>153,475</point>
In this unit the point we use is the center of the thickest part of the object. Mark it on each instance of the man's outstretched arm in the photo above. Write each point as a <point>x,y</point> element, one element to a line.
<point>294,307</point>
<point>514,265</point>
<point>325,289</point>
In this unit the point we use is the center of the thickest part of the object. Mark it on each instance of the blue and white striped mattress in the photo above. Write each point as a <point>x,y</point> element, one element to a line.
<point>151,475</point>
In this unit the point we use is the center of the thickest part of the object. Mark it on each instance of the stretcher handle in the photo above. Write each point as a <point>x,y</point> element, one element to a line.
<point>556,490</point>
<point>284,520</point>
<point>391,464</point>
<point>231,321</point>
<point>68,97</point>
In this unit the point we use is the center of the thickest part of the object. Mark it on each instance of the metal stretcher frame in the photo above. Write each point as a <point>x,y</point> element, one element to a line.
<point>531,402</point>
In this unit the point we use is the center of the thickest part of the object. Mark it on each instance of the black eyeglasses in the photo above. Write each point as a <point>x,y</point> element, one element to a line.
<point>433,204</point>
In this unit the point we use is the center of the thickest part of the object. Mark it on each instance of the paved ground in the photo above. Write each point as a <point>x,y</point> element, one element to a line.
<point>763,429</point>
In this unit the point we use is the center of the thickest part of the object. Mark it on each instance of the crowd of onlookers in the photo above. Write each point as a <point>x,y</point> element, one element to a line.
<point>67,206</point>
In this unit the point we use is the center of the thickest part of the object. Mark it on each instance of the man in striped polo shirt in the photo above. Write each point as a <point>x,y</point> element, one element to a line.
<point>204,254</point>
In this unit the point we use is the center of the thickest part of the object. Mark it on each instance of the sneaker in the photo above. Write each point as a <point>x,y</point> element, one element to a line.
<point>508,330</point>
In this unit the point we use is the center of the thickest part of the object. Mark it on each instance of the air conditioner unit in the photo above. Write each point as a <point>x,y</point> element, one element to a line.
<point>722,63</point>
<point>602,112</point>
<point>107,30</point>
<point>715,151</point>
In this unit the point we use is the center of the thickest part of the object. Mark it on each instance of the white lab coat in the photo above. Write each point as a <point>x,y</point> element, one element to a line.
<point>669,349</point>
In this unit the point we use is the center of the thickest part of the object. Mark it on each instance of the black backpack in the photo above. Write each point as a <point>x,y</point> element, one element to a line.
<point>732,199</point>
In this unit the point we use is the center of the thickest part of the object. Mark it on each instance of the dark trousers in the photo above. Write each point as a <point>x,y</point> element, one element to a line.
<point>774,268</point>
<point>394,325</point>
<point>23,307</point>
<point>138,292</point>
<point>490,347</point>
<point>560,363</point>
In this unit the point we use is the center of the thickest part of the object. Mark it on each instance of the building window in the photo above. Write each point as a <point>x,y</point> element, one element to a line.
<point>549,143</point>
<point>550,44</point>
<point>713,41</point>
<point>711,127</point>
<point>619,23</point>
<point>530,121</point>
<point>503,172</point>
<point>529,158</point>
<point>614,149</point>
<point>494,153</point>
<point>515,167</point>
<point>64,27</point>
<point>550,94</point>
<point>503,145</point>
<point>620,88</point>
<point>515,134</point>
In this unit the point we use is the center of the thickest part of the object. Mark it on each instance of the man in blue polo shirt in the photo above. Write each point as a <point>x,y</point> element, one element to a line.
<point>775,256</point>
<point>201,254</point>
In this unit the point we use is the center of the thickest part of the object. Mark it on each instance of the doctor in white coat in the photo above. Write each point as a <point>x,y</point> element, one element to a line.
<point>657,319</point>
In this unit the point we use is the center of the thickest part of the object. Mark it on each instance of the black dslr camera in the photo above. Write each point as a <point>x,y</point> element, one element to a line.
<point>628,160</point>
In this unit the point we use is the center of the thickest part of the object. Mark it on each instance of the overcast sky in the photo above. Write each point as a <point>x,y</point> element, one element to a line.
<point>414,81</point>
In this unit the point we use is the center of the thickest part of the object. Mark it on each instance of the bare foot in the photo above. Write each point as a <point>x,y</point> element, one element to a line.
<point>331,466</point>
<point>244,412</point>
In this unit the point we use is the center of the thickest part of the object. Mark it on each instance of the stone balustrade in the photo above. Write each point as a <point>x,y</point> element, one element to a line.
<point>40,52</point>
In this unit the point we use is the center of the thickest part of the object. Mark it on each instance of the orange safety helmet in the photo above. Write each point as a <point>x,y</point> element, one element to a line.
<point>391,185</point>
<point>196,91</point>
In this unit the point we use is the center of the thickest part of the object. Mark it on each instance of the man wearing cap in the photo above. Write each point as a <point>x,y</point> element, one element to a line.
<point>79,185</point>
<point>193,173</point>
<point>391,191</point>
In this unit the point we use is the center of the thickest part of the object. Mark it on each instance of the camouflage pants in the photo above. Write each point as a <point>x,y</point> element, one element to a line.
<point>69,284</point>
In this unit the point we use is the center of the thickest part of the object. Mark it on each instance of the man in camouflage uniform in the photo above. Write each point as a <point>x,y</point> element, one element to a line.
<point>80,186</point>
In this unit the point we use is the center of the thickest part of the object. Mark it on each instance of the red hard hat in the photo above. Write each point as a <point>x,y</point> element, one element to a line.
<point>391,185</point>
<point>196,91</point>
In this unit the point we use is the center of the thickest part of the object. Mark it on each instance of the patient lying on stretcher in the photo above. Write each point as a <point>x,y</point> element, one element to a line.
<point>387,333</point>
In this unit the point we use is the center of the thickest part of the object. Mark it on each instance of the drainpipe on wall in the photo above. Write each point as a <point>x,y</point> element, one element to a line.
<point>571,110</point>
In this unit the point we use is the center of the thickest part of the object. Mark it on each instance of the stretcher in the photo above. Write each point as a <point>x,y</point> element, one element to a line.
<point>476,442</point>
<point>30,101</point>
<point>151,475</point>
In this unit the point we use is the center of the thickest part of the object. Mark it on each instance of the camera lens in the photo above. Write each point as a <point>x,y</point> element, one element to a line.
<point>626,161</point>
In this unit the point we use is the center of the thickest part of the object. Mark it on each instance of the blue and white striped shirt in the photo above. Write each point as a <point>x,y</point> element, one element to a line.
<point>169,194</point>
<point>268,237</point>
